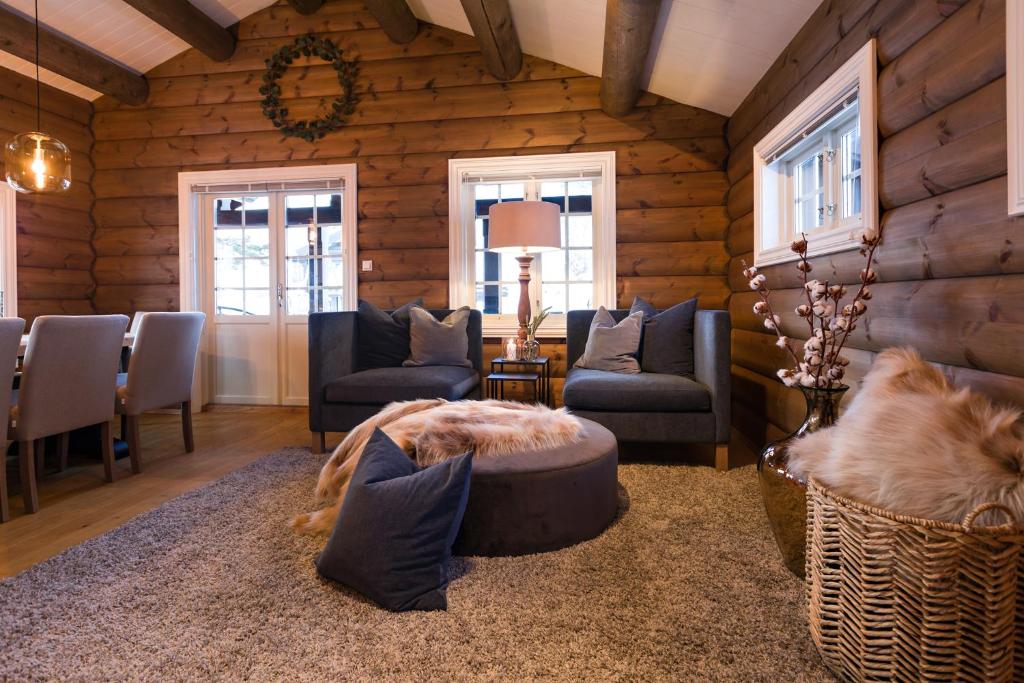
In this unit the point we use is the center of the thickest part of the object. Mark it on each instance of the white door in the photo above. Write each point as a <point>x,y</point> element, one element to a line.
<point>274,258</point>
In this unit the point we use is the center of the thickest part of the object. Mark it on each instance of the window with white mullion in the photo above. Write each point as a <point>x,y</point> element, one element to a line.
<point>314,252</point>
<point>849,170</point>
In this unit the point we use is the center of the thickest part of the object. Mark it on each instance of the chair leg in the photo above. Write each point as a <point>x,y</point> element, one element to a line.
<point>63,441</point>
<point>721,457</point>
<point>134,450</point>
<point>186,426</point>
<point>319,442</point>
<point>107,443</point>
<point>29,493</point>
<point>5,506</point>
<point>124,428</point>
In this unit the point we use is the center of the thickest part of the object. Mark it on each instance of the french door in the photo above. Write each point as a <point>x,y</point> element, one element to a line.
<point>273,257</point>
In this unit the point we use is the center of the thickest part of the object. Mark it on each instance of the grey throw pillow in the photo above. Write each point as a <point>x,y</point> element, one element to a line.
<point>612,347</point>
<point>667,346</point>
<point>438,342</point>
<point>383,338</point>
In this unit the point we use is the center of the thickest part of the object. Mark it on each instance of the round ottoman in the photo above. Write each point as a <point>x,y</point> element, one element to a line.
<point>542,500</point>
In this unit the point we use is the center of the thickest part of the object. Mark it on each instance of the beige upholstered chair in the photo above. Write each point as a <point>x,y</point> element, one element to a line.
<point>136,321</point>
<point>11,330</point>
<point>69,374</point>
<point>160,373</point>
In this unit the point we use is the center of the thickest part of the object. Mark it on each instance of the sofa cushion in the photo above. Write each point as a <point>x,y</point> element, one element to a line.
<point>393,539</point>
<point>647,391</point>
<point>610,346</point>
<point>384,385</point>
<point>383,338</point>
<point>667,343</point>
<point>438,342</point>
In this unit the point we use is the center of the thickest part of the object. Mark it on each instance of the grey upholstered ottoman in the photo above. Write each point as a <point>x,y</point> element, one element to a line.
<point>542,500</point>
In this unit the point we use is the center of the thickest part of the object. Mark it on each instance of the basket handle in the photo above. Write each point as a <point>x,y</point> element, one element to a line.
<point>968,522</point>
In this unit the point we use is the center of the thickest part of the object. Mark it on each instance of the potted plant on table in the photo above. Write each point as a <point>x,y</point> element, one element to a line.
<point>818,370</point>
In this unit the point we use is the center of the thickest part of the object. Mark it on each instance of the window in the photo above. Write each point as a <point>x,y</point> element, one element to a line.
<point>314,256</point>
<point>814,174</point>
<point>579,275</point>
<point>241,256</point>
<point>1015,105</point>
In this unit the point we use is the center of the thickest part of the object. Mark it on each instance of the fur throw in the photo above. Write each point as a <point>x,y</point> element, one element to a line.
<point>912,444</point>
<point>432,430</point>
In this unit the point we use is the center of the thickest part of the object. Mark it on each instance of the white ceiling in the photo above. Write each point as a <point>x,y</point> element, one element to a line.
<point>706,53</point>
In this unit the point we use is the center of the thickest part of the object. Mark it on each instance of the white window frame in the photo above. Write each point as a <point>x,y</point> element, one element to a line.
<point>1015,106</point>
<point>191,250</point>
<point>772,211</point>
<point>9,244</point>
<point>461,228</point>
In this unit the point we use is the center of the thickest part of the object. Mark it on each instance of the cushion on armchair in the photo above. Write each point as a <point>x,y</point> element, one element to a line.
<point>384,385</point>
<point>438,342</point>
<point>612,347</point>
<point>667,345</point>
<point>644,392</point>
<point>383,338</point>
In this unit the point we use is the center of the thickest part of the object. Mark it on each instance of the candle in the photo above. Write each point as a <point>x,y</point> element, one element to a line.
<point>510,349</point>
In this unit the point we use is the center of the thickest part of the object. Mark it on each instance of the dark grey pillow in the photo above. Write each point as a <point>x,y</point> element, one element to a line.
<point>394,536</point>
<point>439,342</point>
<point>612,347</point>
<point>382,340</point>
<point>667,346</point>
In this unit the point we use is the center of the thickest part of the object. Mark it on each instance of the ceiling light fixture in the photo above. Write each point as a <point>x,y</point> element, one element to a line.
<point>37,162</point>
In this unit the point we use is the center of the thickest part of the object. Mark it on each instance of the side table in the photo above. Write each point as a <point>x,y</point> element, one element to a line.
<point>540,369</point>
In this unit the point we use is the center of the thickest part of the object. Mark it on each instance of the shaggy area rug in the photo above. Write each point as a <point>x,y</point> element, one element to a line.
<point>686,585</point>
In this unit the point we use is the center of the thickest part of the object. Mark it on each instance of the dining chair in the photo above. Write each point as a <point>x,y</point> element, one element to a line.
<point>68,376</point>
<point>11,330</point>
<point>160,372</point>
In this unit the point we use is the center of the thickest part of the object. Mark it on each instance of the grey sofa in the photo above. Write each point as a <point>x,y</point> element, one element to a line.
<point>655,408</point>
<point>341,396</point>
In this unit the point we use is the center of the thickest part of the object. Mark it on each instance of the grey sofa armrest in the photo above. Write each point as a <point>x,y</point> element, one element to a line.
<point>712,360</point>
<point>332,354</point>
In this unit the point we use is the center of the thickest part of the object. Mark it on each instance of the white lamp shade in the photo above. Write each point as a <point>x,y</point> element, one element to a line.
<point>524,227</point>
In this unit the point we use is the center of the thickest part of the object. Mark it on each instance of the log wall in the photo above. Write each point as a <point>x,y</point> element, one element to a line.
<point>951,280</point>
<point>55,254</point>
<point>423,103</point>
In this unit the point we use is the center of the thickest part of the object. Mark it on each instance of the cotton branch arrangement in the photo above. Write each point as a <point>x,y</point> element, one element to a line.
<point>829,322</point>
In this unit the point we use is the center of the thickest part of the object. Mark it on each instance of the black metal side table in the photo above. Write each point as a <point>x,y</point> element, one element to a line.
<point>537,371</point>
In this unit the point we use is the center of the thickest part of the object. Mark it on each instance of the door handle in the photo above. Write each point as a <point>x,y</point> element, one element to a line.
<point>280,295</point>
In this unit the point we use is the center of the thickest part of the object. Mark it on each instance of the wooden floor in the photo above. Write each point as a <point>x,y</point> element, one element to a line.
<point>77,504</point>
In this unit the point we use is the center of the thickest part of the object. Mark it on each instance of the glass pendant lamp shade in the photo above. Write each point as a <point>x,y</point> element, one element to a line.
<point>36,162</point>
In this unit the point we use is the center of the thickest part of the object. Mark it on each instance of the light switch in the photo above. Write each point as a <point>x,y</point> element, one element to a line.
<point>367,265</point>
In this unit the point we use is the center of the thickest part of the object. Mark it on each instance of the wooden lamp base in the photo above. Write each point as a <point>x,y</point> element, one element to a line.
<point>524,294</point>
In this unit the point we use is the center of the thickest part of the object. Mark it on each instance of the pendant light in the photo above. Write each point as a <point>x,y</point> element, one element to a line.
<point>37,162</point>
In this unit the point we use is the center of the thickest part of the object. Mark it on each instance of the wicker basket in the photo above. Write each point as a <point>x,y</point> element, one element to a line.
<point>898,598</point>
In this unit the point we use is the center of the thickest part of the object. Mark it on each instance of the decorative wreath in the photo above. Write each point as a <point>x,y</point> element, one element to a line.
<point>309,46</point>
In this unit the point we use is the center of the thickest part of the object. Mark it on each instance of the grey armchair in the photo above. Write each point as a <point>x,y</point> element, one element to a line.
<point>340,397</point>
<point>655,408</point>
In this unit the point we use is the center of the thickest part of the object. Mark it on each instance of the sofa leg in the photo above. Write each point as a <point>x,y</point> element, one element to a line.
<point>721,457</point>
<point>319,442</point>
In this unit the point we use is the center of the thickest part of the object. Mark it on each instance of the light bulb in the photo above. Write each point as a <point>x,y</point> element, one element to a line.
<point>36,162</point>
<point>39,166</point>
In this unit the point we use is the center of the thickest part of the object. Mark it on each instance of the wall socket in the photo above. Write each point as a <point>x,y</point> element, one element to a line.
<point>367,266</point>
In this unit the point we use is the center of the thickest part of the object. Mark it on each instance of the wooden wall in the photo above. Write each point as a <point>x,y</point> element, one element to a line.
<point>55,256</point>
<point>951,278</point>
<point>422,104</point>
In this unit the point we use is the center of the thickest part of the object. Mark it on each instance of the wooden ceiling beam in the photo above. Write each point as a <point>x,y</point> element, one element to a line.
<point>492,25</point>
<point>71,60</point>
<point>305,6</point>
<point>628,29</point>
<point>191,24</point>
<point>395,17</point>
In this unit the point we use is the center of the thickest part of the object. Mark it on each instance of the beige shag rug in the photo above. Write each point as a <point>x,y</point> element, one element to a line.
<point>685,586</point>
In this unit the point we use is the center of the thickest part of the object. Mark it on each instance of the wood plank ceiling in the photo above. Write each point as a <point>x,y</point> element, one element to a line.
<point>706,53</point>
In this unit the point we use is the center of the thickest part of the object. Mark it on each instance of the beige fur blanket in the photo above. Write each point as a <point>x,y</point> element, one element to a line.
<point>433,430</point>
<point>912,444</point>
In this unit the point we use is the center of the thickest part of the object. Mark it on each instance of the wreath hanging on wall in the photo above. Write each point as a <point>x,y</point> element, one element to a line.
<point>343,105</point>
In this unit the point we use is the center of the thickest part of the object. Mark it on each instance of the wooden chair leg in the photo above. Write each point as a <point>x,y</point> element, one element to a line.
<point>63,441</point>
<point>134,450</point>
<point>107,443</point>
<point>5,506</point>
<point>26,460</point>
<point>124,428</point>
<point>721,457</point>
<point>186,426</point>
<point>319,442</point>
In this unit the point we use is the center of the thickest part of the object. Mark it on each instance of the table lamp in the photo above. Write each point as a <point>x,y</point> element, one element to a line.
<point>524,229</point>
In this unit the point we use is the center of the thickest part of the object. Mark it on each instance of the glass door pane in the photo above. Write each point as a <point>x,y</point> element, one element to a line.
<point>241,255</point>
<point>313,252</point>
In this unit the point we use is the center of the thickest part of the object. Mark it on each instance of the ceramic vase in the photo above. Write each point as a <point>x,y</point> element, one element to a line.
<point>784,494</point>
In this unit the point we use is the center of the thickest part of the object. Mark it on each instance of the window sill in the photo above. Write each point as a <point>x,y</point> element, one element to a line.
<point>818,244</point>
